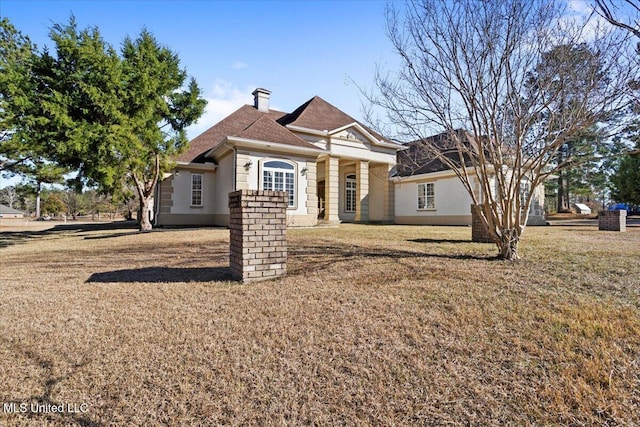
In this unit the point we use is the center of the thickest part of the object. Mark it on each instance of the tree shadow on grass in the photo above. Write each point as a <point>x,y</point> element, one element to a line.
<point>163,275</point>
<point>10,238</point>
<point>318,257</point>
<point>430,240</point>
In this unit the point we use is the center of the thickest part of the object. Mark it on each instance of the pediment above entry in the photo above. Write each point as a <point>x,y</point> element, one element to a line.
<point>351,134</point>
<point>356,133</point>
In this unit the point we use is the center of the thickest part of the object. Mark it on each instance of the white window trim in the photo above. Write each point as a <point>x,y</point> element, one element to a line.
<point>263,162</point>
<point>426,197</point>
<point>201,190</point>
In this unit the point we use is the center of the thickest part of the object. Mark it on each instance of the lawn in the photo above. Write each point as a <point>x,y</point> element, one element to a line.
<point>373,325</point>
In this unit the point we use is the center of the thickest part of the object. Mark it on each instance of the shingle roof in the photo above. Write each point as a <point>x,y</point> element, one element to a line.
<point>266,129</point>
<point>247,122</point>
<point>416,159</point>
<point>318,114</point>
<point>231,125</point>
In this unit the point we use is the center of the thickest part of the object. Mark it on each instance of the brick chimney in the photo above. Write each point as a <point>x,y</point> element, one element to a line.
<point>261,99</point>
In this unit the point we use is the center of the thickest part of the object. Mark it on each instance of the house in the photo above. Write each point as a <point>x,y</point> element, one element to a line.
<point>7,212</point>
<point>428,192</point>
<point>333,168</point>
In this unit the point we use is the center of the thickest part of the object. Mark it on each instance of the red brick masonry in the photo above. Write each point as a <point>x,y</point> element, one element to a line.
<point>612,220</point>
<point>258,227</point>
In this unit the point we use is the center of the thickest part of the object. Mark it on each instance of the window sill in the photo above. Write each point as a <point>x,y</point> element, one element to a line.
<point>196,206</point>
<point>427,210</point>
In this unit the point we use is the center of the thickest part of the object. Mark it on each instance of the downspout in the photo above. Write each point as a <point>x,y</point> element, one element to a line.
<point>156,204</point>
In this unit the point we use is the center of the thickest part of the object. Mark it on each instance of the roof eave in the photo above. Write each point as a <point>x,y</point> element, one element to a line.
<point>307,130</point>
<point>253,143</point>
<point>368,134</point>
<point>207,166</point>
<point>446,173</point>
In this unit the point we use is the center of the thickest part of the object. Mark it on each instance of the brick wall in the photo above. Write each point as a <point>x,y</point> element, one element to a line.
<point>478,230</point>
<point>612,220</point>
<point>258,244</point>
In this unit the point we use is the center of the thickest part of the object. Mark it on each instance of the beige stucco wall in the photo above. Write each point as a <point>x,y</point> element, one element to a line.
<point>380,194</point>
<point>348,147</point>
<point>254,177</point>
<point>224,184</point>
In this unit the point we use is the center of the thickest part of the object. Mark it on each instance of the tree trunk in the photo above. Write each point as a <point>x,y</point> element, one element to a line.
<point>508,244</point>
<point>38,191</point>
<point>563,198</point>
<point>145,194</point>
<point>145,223</point>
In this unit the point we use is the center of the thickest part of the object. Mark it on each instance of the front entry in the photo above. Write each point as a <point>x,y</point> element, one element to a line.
<point>320,189</point>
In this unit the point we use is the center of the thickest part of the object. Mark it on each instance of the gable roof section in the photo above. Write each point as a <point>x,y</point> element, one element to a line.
<point>318,114</point>
<point>415,160</point>
<point>251,124</point>
<point>233,124</point>
<point>266,129</point>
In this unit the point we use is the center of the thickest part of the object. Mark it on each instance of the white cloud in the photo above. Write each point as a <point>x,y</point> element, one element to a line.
<point>223,98</point>
<point>580,6</point>
<point>581,23</point>
<point>238,65</point>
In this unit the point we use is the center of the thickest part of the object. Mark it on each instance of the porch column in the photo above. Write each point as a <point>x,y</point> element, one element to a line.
<point>331,189</point>
<point>389,196</point>
<point>362,191</point>
<point>312,190</point>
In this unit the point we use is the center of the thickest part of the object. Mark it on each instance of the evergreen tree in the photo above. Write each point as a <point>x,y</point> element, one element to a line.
<point>625,182</point>
<point>118,118</point>
<point>17,55</point>
<point>566,68</point>
<point>24,148</point>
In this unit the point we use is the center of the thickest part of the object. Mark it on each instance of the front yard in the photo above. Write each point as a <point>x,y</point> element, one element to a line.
<point>373,325</point>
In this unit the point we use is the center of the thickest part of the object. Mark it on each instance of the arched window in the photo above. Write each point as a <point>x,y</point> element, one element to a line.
<point>278,175</point>
<point>350,193</point>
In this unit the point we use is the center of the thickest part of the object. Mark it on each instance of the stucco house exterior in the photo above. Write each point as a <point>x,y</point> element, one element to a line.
<point>333,167</point>
<point>428,192</point>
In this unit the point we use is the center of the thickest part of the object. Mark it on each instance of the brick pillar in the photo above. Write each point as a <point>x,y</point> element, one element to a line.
<point>479,232</point>
<point>331,189</point>
<point>612,220</point>
<point>362,192</point>
<point>258,228</point>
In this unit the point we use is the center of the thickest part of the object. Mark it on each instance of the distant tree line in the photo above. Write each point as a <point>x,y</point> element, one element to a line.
<point>67,203</point>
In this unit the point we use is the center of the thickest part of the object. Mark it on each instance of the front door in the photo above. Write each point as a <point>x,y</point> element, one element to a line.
<point>320,199</point>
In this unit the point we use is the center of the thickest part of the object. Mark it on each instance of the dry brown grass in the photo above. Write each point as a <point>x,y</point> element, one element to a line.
<point>374,325</point>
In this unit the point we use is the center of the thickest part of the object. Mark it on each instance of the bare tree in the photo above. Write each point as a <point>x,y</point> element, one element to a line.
<point>485,67</point>
<point>608,8</point>
<point>9,195</point>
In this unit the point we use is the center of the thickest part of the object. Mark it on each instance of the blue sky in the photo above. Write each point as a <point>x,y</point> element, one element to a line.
<point>296,49</point>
